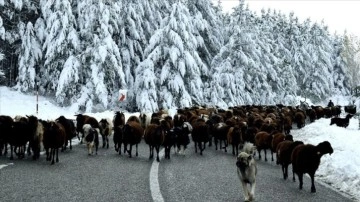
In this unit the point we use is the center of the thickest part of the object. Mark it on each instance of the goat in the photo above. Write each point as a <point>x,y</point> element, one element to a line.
<point>341,122</point>
<point>306,159</point>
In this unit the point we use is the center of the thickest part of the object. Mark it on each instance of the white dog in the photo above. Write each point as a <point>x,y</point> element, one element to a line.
<point>246,170</point>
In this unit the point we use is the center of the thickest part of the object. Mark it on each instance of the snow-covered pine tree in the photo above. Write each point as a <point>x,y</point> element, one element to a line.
<point>319,83</point>
<point>61,43</point>
<point>101,73</point>
<point>340,73</point>
<point>30,55</point>
<point>208,25</point>
<point>14,14</point>
<point>132,41</point>
<point>177,65</point>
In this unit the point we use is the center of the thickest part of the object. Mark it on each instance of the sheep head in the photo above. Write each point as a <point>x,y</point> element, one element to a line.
<point>324,148</point>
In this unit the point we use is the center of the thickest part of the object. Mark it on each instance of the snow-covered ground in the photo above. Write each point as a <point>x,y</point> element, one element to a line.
<point>340,170</point>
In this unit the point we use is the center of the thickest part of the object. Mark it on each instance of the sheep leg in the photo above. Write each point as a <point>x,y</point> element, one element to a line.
<point>313,189</point>
<point>259,152</point>
<point>103,140</point>
<point>196,147</point>
<point>150,152</point>
<point>52,154</point>
<point>57,155</point>
<point>300,176</point>
<point>265,155</point>
<point>129,151</point>
<point>293,174</point>
<point>107,142</point>
<point>136,146</point>
<point>11,152</point>
<point>157,153</point>
<point>283,169</point>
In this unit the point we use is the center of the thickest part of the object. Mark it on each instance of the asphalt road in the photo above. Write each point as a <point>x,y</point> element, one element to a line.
<point>111,177</point>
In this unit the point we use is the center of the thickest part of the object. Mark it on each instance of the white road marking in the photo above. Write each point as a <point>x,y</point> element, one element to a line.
<point>4,165</point>
<point>154,179</point>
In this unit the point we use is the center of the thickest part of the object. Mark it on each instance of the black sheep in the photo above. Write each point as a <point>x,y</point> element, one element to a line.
<point>306,159</point>
<point>341,122</point>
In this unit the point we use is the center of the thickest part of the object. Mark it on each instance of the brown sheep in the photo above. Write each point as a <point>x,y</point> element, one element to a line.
<point>283,154</point>
<point>300,119</point>
<point>54,138</point>
<point>306,159</point>
<point>277,138</point>
<point>235,139</point>
<point>154,136</point>
<point>263,142</point>
<point>132,135</point>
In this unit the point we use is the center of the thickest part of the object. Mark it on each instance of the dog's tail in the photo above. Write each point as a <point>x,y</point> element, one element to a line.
<point>249,148</point>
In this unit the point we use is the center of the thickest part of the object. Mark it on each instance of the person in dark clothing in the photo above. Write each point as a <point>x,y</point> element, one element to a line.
<point>330,104</point>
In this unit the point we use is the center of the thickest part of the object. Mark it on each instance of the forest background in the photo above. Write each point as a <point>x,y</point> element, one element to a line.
<point>170,54</point>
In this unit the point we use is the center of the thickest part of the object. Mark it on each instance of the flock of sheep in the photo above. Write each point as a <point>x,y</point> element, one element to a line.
<point>267,127</point>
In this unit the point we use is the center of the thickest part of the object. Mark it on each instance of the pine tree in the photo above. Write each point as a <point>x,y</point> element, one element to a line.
<point>61,43</point>
<point>178,67</point>
<point>30,55</point>
<point>101,72</point>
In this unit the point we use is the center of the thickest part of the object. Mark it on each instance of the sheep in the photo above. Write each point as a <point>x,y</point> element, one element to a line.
<point>277,138</point>
<point>300,118</point>
<point>85,119</point>
<point>6,123</point>
<point>70,130</point>
<point>154,136</point>
<point>54,138</point>
<point>133,118</point>
<point>92,138</point>
<point>144,120</point>
<point>132,135</point>
<point>18,137</point>
<point>220,132</point>
<point>234,138</point>
<point>341,122</point>
<point>119,119</point>
<point>118,138</point>
<point>306,159</point>
<point>283,154</point>
<point>105,131</point>
<point>36,137</point>
<point>200,135</point>
<point>351,109</point>
<point>263,142</point>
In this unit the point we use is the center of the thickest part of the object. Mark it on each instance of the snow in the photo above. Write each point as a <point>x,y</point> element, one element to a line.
<point>341,170</point>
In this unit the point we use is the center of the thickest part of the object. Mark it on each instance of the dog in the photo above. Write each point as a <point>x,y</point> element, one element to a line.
<point>247,170</point>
